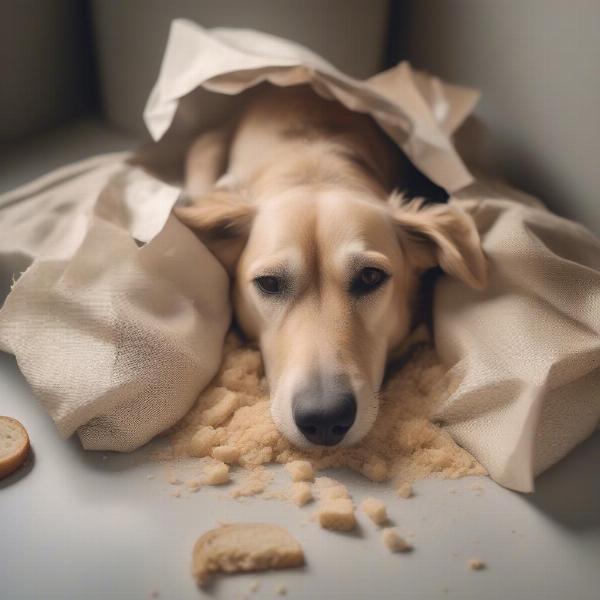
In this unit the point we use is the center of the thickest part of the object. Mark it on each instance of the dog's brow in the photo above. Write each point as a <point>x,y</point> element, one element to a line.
<point>281,266</point>
<point>368,258</point>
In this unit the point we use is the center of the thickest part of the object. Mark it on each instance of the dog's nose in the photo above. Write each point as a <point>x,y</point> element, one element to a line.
<point>324,421</point>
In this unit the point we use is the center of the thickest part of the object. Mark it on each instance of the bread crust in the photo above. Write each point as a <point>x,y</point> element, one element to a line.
<point>244,547</point>
<point>11,462</point>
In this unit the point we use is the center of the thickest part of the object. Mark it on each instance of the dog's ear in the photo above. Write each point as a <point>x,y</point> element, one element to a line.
<point>222,220</point>
<point>442,235</point>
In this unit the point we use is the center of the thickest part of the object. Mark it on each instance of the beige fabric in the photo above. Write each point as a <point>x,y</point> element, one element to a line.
<point>526,350</point>
<point>229,61</point>
<point>117,340</point>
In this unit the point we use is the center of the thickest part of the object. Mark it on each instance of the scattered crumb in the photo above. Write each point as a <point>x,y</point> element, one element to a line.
<point>405,490</point>
<point>193,485</point>
<point>221,411</point>
<point>276,495</point>
<point>226,454</point>
<point>337,515</point>
<point>254,482</point>
<point>476,564</point>
<point>281,590</point>
<point>477,488</point>
<point>300,470</point>
<point>149,476</point>
<point>301,493</point>
<point>375,510</point>
<point>254,586</point>
<point>216,474</point>
<point>375,469</point>
<point>202,442</point>
<point>176,494</point>
<point>334,492</point>
<point>104,457</point>
<point>394,541</point>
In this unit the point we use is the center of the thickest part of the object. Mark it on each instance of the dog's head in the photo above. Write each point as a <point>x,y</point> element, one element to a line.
<point>326,280</point>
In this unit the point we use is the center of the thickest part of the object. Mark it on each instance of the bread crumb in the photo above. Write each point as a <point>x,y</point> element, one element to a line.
<point>276,495</point>
<point>216,474</point>
<point>254,586</point>
<point>334,492</point>
<point>149,476</point>
<point>226,454</point>
<point>405,490</point>
<point>203,441</point>
<point>281,590</point>
<point>193,485</point>
<point>221,411</point>
<point>375,510</point>
<point>476,564</point>
<point>255,482</point>
<point>301,493</point>
<point>337,515</point>
<point>300,470</point>
<point>176,494</point>
<point>375,469</point>
<point>394,541</point>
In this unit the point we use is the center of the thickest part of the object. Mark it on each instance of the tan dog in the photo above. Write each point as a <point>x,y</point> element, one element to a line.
<point>325,259</point>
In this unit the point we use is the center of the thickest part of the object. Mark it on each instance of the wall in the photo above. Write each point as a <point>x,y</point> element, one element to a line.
<point>46,70</point>
<point>537,63</point>
<point>131,36</point>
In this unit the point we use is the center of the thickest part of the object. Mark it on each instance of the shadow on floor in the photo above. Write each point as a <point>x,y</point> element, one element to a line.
<point>569,493</point>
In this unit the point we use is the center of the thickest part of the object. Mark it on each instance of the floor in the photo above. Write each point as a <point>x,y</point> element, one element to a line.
<point>84,525</point>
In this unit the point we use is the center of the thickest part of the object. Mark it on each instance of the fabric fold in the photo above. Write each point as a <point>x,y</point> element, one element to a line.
<point>525,352</point>
<point>118,334</point>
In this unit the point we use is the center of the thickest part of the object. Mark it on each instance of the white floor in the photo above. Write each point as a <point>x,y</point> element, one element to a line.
<point>77,525</point>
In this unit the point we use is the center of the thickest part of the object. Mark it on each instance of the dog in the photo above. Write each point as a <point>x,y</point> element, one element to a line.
<point>296,198</point>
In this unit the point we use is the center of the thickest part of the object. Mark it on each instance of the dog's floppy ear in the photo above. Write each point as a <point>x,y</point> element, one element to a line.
<point>440,234</point>
<point>222,220</point>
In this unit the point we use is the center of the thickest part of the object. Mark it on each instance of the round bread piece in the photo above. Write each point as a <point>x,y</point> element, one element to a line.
<point>14,445</point>
<point>244,547</point>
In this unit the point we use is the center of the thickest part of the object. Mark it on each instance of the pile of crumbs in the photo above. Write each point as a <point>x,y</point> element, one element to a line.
<point>231,423</point>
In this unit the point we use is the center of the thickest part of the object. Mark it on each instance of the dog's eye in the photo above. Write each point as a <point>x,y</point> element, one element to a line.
<point>367,281</point>
<point>269,284</point>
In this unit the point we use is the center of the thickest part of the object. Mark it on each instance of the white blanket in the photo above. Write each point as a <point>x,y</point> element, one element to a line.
<point>119,322</point>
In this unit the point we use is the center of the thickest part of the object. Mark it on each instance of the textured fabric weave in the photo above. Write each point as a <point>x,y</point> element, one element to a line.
<point>116,337</point>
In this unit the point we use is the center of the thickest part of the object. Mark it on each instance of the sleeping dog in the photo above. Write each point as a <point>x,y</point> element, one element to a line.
<point>296,199</point>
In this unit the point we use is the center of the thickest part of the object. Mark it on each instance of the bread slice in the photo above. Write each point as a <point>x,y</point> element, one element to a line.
<point>245,547</point>
<point>14,445</point>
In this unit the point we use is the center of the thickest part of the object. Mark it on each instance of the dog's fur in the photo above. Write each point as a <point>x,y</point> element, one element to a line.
<point>301,189</point>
